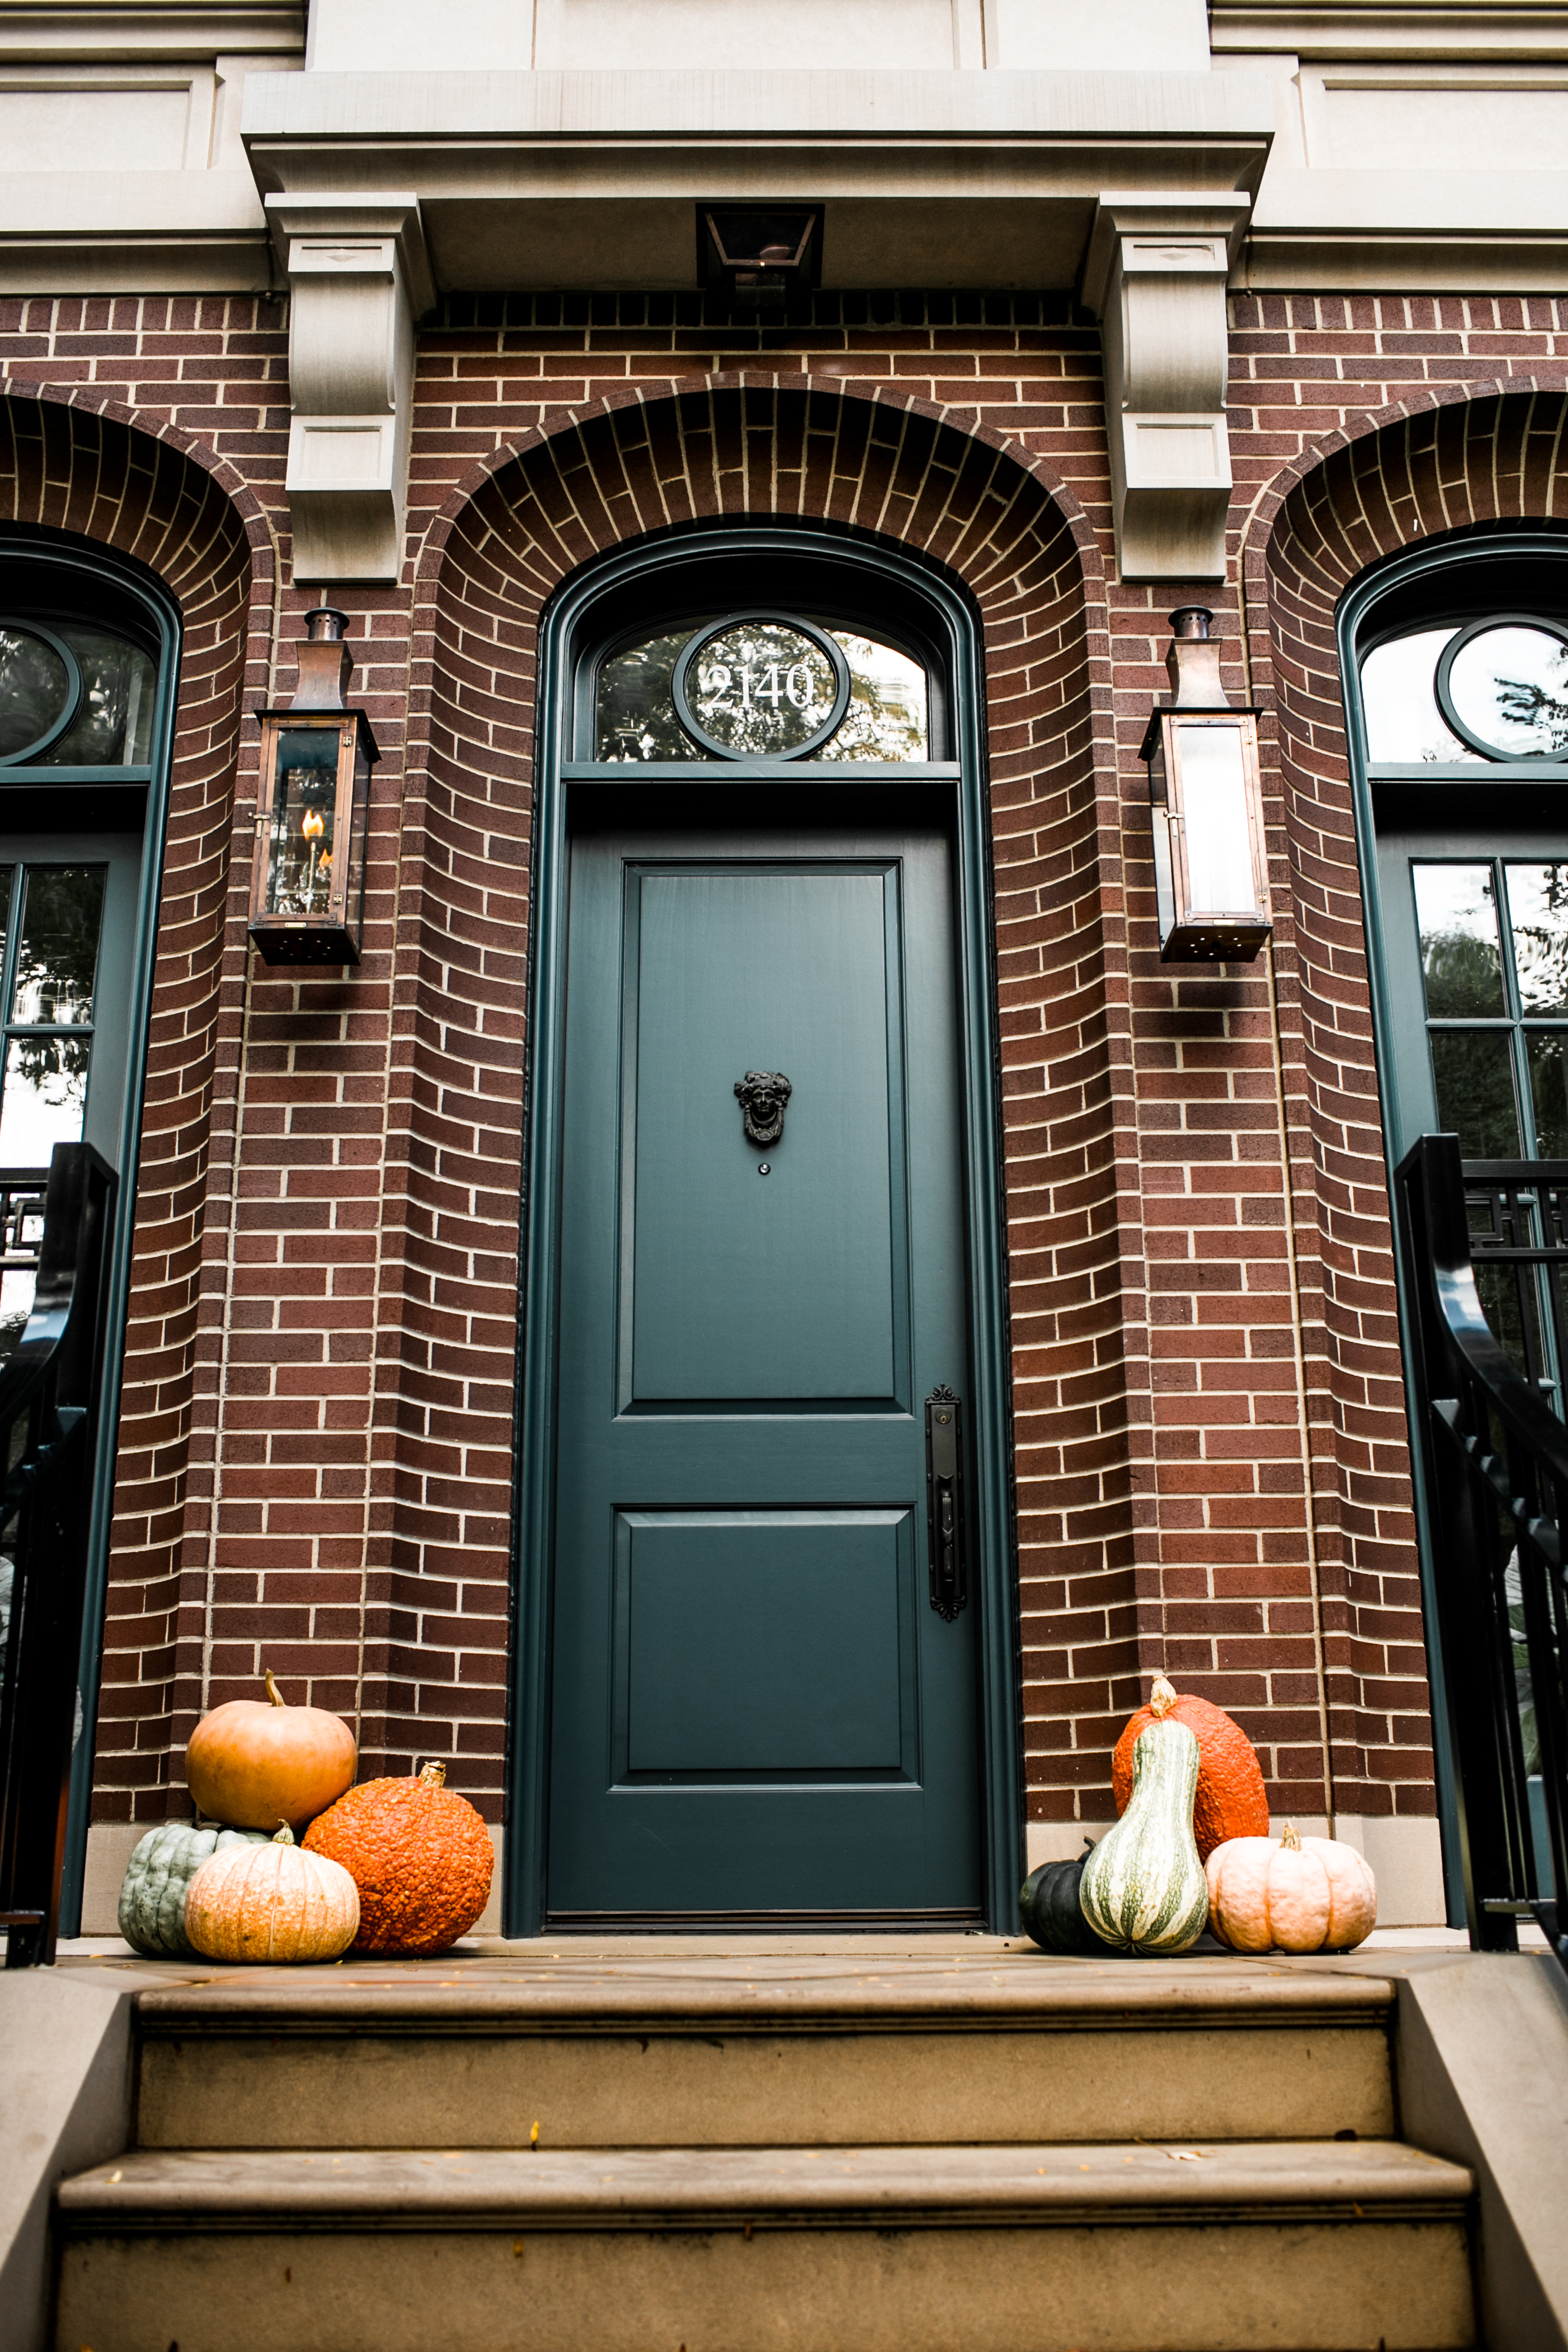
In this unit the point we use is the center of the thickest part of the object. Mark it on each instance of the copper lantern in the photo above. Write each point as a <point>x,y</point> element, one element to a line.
<point>307,889</point>
<point>1205,799</point>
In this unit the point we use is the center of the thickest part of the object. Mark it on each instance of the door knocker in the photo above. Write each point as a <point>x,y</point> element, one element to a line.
<point>762,1095</point>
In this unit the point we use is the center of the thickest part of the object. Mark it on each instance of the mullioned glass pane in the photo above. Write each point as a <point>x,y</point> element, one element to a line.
<point>1461,958</point>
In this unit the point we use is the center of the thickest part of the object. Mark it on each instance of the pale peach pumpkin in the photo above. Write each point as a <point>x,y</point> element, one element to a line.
<point>255,1762</point>
<point>272,1904</point>
<point>1304,1895</point>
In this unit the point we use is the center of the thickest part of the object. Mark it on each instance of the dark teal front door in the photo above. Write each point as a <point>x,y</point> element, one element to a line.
<point>756,1709</point>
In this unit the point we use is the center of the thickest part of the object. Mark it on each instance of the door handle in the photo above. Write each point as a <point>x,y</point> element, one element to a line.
<point>945,1527</point>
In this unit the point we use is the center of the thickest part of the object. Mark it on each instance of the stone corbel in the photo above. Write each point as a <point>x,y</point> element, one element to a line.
<point>1155,277</point>
<point>359,277</point>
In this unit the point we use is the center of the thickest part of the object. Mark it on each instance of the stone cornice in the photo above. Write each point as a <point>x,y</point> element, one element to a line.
<point>591,179</point>
<point>91,33</point>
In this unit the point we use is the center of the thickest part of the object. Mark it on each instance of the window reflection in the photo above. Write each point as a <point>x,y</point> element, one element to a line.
<point>1455,908</point>
<point>36,689</point>
<point>1400,701</point>
<point>1474,1073</point>
<point>53,923</point>
<point>113,725</point>
<point>100,717</point>
<point>888,718</point>
<point>1509,686</point>
<point>1538,919</point>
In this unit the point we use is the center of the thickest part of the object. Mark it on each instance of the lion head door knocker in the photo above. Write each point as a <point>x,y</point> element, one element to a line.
<point>762,1095</point>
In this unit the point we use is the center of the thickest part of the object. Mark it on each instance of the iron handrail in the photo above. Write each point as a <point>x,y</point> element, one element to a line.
<point>49,1392</point>
<point>1494,1461</point>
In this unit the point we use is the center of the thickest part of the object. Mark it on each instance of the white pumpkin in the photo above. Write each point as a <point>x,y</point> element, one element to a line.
<point>1304,1895</point>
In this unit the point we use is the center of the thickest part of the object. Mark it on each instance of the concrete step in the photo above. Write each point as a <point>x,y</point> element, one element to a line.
<point>1199,2246</point>
<point>817,2054</point>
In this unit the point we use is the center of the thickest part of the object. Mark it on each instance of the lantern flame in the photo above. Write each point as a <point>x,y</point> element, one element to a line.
<point>312,825</point>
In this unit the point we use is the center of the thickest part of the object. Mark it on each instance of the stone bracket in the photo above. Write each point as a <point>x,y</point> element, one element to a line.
<point>1155,277</point>
<point>359,277</point>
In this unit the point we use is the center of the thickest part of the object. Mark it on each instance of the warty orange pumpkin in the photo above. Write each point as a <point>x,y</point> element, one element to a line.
<point>271,1903</point>
<point>1231,1800</point>
<point>419,1855</point>
<point>254,1762</point>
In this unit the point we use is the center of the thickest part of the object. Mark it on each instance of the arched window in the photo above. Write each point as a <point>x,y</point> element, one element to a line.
<point>1460,687</point>
<point>720,680</point>
<point>78,702</point>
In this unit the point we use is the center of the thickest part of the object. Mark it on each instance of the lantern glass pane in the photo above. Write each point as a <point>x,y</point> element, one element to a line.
<point>304,812</point>
<point>1160,818</point>
<point>353,904</point>
<point>1214,811</point>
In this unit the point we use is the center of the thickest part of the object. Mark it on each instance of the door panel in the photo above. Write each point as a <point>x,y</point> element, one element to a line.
<point>818,1244</point>
<point>806,1661</point>
<point>755,1710</point>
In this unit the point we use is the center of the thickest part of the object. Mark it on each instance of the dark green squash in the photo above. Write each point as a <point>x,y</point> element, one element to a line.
<point>1051,1913</point>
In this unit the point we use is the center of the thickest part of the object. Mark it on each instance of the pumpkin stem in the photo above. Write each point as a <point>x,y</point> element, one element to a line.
<point>1162,1698</point>
<point>1290,1839</point>
<point>283,1834</point>
<point>273,1692</point>
<point>433,1774</point>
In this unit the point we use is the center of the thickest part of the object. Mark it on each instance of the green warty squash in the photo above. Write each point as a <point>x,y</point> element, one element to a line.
<point>1144,1887</point>
<point>152,1894</point>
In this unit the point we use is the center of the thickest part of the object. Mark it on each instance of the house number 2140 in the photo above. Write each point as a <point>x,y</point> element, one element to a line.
<point>777,685</point>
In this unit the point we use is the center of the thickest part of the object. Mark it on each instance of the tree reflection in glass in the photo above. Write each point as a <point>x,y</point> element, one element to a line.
<point>113,725</point>
<point>35,690</point>
<point>48,1049</point>
<point>1461,962</point>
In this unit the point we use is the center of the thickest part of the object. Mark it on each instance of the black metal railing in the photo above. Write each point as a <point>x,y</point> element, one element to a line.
<point>1484,1245</point>
<point>55,1238</point>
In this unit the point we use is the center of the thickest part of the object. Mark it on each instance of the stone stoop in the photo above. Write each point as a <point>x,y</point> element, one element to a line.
<point>764,2151</point>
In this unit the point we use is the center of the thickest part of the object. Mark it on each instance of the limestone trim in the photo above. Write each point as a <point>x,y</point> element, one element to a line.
<point>1155,277</point>
<point>534,181</point>
<point>359,278</point>
<point>96,31</point>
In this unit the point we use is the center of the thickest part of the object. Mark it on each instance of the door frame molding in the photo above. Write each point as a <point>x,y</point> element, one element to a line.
<point>956,628</point>
<point>1447,552</point>
<point>60,558</point>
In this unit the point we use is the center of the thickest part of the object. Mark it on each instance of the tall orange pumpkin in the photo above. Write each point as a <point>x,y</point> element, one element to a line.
<point>419,1855</point>
<point>255,1762</point>
<point>1231,1801</point>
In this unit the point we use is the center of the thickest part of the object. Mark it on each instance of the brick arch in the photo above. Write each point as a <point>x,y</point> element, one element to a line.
<point>894,470</point>
<point>1466,458</point>
<point>89,470</point>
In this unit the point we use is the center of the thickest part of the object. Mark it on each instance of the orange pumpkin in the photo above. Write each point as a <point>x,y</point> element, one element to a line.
<point>271,1904</point>
<point>255,1762</point>
<point>419,1855</point>
<point>1304,1895</point>
<point>1231,1801</point>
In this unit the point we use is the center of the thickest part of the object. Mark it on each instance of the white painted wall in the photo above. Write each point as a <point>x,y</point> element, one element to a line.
<point>1104,35</point>
<point>925,36</point>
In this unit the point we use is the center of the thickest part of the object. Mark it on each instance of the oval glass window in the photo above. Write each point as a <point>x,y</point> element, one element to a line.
<point>1503,686</point>
<point>886,715</point>
<point>756,688</point>
<point>40,687</point>
<point>73,697</point>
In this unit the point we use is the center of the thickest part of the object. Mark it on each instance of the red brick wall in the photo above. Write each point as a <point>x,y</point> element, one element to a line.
<point>1189,1342</point>
<point>87,474</point>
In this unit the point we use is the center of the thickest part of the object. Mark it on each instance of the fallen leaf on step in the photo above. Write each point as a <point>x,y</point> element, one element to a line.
<point>114,2177</point>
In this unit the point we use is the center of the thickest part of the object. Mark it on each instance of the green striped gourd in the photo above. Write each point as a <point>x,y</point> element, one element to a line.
<point>1143,1888</point>
<point>153,1896</point>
